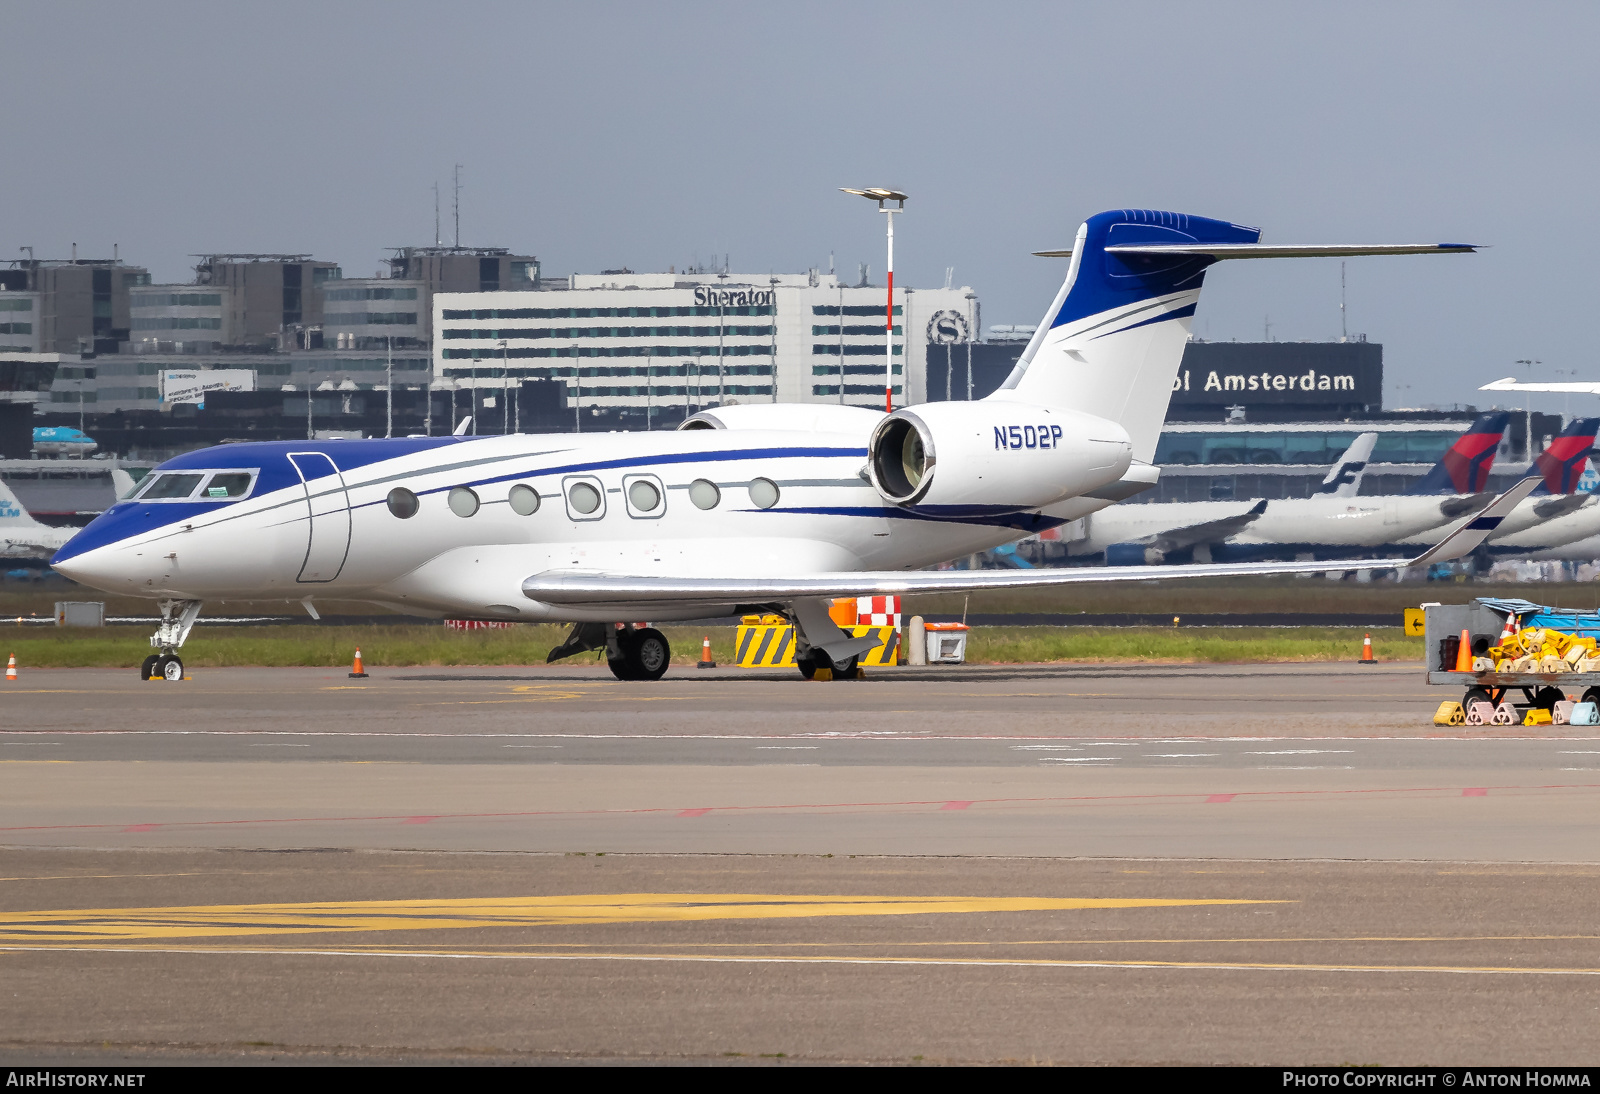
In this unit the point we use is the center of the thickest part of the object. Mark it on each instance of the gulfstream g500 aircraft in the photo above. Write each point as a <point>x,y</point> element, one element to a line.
<point>778,506</point>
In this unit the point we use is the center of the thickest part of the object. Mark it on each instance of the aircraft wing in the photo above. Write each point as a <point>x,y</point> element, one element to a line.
<point>591,588</point>
<point>1211,531</point>
<point>1511,383</point>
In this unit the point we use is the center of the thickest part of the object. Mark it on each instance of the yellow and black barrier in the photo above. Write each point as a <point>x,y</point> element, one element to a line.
<point>768,642</point>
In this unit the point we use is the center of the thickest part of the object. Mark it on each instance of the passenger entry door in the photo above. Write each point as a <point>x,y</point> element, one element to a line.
<point>327,516</point>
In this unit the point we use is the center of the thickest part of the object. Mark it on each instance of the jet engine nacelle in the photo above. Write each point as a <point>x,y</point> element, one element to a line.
<point>993,457</point>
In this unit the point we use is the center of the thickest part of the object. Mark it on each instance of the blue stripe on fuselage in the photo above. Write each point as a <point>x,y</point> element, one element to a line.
<point>126,519</point>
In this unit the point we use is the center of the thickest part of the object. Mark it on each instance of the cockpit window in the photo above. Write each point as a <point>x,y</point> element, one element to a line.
<point>171,487</point>
<point>227,484</point>
<point>196,486</point>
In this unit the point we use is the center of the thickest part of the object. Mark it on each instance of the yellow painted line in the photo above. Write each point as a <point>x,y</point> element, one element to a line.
<point>127,924</point>
<point>805,959</point>
<point>35,761</point>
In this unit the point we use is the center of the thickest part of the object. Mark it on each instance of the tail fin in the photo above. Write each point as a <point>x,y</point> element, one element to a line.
<point>12,513</point>
<point>1344,478</point>
<point>1563,463</point>
<point>1465,468</point>
<point>1113,339</point>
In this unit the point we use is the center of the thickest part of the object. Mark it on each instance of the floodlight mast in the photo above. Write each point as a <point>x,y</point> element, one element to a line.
<point>881,196</point>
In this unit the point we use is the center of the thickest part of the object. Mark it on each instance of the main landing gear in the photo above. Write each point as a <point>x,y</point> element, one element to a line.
<point>809,662</point>
<point>632,653</point>
<point>638,654</point>
<point>177,620</point>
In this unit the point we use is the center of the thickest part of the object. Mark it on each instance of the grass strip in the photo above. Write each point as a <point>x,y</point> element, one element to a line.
<point>413,645</point>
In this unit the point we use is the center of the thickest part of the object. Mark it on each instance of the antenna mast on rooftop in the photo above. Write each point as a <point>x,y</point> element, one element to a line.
<point>458,205</point>
<point>436,239</point>
<point>1344,329</point>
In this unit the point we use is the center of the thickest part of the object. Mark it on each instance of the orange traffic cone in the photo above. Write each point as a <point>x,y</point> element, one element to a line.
<point>1511,627</point>
<point>11,668</point>
<point>1464,653</point>
<point>705,654</point>
<point>1366,651</point>
<point>357,671</point>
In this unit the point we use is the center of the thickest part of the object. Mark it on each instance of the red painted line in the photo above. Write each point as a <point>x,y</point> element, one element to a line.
<point>1216,798</point>
<point>1475,792</point>
<point>955,805</point>
<point>418,820</point>
<point>140,827</point>
<point>1079,799</point>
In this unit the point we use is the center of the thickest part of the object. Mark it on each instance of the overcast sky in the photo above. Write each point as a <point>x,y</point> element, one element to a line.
<point>646,134</point>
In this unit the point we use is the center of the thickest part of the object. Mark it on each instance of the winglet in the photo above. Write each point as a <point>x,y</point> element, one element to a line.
<point>1466,539</point>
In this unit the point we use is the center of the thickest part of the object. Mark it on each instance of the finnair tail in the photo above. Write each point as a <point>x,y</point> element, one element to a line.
<point>1344,478</point>
<point>1563,463</point>
<point>1464,469</point>
<point>12,514</point>
<point>1113,339</point>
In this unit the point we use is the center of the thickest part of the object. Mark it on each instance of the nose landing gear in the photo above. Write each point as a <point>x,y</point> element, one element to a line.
<point>177,620</point>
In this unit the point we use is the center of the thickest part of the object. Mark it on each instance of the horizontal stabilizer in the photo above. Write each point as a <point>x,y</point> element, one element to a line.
<point>1211,531</point>
<point>1278,250</point>
<point>1281,250</point>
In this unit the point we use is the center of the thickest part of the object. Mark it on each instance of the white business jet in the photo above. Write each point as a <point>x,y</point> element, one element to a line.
<point>776,507</point>
<point>23,537</point>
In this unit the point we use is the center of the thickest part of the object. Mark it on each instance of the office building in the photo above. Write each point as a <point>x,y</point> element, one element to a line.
<point>268,300</point>
<point>76,305</point>
<point>629,341</point>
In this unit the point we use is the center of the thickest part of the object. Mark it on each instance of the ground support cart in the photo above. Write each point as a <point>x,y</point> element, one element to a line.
<point>1484,619</point>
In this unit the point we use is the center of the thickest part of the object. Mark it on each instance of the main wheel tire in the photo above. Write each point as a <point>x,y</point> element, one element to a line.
<point>147,671</point>
<point>649,654</point>
<point>620,668</point>
<point>169,667</point>
<point>846,671</point>
<point>1475,695</point>
<point>1592,695</point>
<point>811,662</point>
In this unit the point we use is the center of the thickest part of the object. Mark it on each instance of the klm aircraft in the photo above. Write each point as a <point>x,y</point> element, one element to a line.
<point>764,507</point>
<point>60,440</point>
<point>23,537</point>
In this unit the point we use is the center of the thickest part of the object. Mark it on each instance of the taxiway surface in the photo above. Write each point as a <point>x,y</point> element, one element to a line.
<point>1140,864</point>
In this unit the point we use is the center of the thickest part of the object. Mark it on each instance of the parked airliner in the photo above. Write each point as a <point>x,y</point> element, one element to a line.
<point>1555,511</point>
<point>1329,524</point>
<point>23,537</point>
<point>61,440</point>
<point>773,506</point>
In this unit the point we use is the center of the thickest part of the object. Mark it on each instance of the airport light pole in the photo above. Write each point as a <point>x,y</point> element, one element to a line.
<point>505,390</point>
<point>882,197</point>
<point>388,380</point>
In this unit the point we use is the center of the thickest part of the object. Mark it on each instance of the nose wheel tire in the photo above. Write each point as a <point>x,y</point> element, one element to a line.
<point>645,656</point>
<point>147,671</point>
<point>169,667</point>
